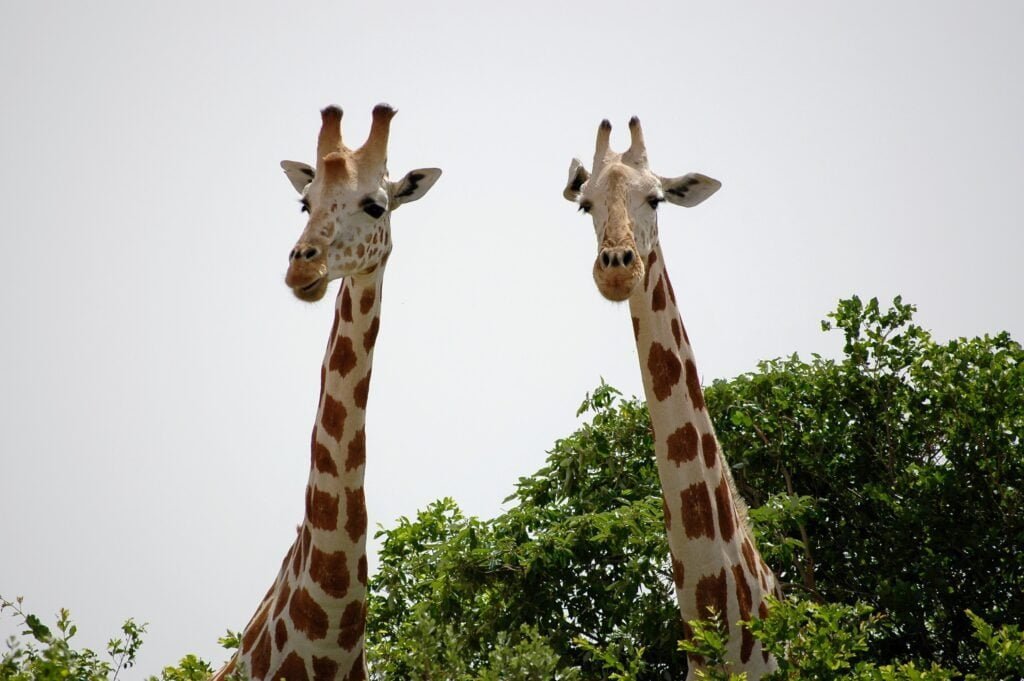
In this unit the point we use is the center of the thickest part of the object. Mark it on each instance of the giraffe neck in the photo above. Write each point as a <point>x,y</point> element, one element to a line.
<point>311,624</point>
<point>714,560</point>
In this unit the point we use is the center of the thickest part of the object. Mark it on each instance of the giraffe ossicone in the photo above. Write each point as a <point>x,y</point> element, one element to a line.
<point>311,623</point>
<point>715,563</point>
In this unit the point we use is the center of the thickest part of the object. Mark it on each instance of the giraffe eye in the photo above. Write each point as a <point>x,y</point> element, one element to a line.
<point>305,205</point>
<point>585,206</point>
<point>653,201</point>
<point>374,210</point>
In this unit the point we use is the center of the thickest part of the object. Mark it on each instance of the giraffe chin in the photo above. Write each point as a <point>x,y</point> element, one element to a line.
<point>313,291</point>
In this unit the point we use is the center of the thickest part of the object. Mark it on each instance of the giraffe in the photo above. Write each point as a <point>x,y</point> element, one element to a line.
<point>311,623</point>
<point>715,563</point>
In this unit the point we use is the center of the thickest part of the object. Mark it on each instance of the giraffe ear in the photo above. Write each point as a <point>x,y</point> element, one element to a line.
<point>577,176</point>
<point>299,174</point>
<point>413,186</point>
<point>690,189</point>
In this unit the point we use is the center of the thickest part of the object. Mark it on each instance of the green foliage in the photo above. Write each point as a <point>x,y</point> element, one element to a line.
<point>814,640</point>
<point>890,477</point>
<point>620,659</point>
<point>825,641</point>
<point>1002,653</point>
<point>906,459</point>
<point>708,645</point>
<point>189,668</point>
<point>43,655</point>
<point>580,558</point>
<point>39,654</point>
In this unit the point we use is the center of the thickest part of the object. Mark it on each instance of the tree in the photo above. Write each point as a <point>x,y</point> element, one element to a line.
<point>888,479</point>
<point>580,560</point>
<point>903,464</point>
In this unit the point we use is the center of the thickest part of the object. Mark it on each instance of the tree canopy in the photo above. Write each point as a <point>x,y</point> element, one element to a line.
<point>888,479</point>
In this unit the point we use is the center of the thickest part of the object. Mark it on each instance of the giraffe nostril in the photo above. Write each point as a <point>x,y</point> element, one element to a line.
<point>627,258</point>
<point>310,253</point>
<point>605,259</point>
<point>294,254</point>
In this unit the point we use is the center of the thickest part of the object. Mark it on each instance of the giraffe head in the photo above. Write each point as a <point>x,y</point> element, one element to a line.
<point>349,200</point>
<point>622,196</point>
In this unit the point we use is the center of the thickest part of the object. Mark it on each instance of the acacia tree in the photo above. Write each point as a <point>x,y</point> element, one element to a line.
<point>890,477</point>
<point>903,464</point>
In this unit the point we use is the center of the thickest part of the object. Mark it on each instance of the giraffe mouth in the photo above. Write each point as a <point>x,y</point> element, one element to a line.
<point>313,291</point>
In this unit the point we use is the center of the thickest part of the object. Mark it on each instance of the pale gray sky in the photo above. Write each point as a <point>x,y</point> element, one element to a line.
<point>159,381</point>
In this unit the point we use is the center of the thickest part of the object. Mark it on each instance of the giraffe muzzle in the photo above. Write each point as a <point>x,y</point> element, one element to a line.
<point>307,277</point>
<point>617,271</point>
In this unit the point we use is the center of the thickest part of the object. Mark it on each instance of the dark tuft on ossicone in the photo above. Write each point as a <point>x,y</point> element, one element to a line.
<point>606,124</point>
<point>383,108</point>
<point>331,111</point>
<point>634,121</point>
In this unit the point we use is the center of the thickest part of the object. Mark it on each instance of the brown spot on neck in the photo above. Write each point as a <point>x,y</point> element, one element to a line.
<point>698,518</point>
<point>709,446</point>
<point>723,505</point>
<point>297,553</point>
<point>693,385</point>
<point>658,297</point>
<point>345,309</point>
<point>260,659</point>
<point>280,635</point>
<point>293,669</point>
<point>747,645</point>
<point>323,510</point>
<point>747,549</point>
<point>321,456</point>
<point>356,451</point>
<point>743,594</point>
<point>712,593</point>
<point>307,616</point>
<point>664,368</point>
<point>362,391</point>
<point>745,600</point>
<point>675,333</point>
<point>253,631</point>
<point>366,300</point>
<point>337,321</point>
<point>330,571</point>
<point>324,669</point>
<point>668,285</point>
<point>358,671</point>
<point>362,570</point>
<point>284,592</point>
<point>352,625</point>
<point>678,572</point>
<point>343,357</point>
<point>370,338</point>
<point>682,444</point>
<point>333,417</point>
<point>355,510</point>
<point>651,259</point>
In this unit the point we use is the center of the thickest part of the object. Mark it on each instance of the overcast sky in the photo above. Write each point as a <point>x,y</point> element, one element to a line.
<point>159,382</point>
